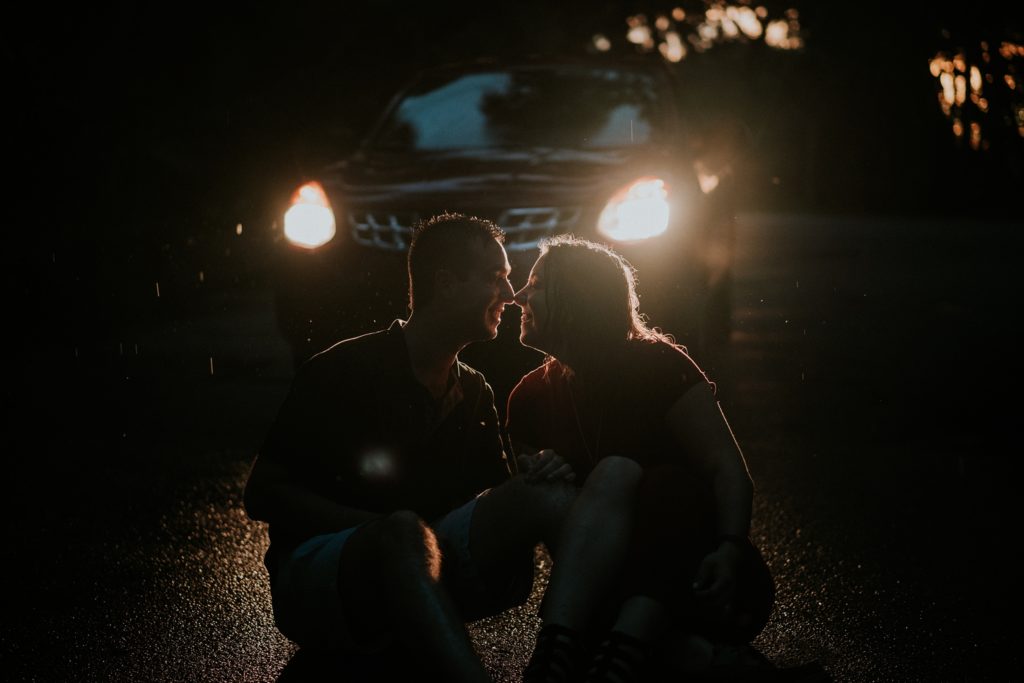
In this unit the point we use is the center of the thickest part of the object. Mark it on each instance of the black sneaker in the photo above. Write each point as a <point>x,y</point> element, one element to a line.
<point>620,658</point>
<point>558,656</point>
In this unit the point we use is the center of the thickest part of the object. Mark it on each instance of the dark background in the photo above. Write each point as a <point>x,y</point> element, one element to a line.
<point>146,130</point>
<point>143,138</point>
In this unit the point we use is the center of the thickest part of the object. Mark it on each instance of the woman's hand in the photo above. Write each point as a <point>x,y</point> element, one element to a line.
<point>545,465</point>
<point>714,585</point>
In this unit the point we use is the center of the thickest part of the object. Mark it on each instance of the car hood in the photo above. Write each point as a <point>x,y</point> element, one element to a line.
<point>405,177</point>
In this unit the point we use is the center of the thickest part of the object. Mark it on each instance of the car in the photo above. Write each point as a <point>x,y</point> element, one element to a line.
<point>593,147</point>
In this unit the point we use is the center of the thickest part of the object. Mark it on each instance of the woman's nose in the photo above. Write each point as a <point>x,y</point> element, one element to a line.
<point>520,296</point>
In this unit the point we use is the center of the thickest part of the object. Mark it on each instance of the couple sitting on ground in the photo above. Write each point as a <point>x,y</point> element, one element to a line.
<point>396,514</point>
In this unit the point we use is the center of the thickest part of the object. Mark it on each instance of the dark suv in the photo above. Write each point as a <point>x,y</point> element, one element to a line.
<point>595,148</point>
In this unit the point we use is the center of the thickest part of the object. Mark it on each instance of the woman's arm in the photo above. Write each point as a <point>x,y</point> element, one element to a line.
<point>698,425</point>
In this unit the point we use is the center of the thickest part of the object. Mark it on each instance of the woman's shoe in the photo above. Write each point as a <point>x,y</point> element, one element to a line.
<point>620,658</point>
<point>558,656</point>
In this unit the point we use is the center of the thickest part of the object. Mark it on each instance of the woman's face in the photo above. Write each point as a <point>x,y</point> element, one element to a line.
<point>532,299</point>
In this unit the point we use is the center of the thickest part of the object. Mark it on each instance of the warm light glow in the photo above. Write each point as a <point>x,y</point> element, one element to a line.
<point>975,135</point>
<point>983,104</point>
<point>944,105</point>
<point>729,28</point>
<point>707,31</point>
<point>935,65</point>
<point>960,85</point>
<point>708,181</point>
<point>602,43</point>
<point>975,79</point>
<point>959,63</point>
<point>1011,83</point>
<point>747,21</point>
<point>309,223</point>
<point>1007,50</point>
<point>958,128</point>
<point>639,32</point>
<point>719,23</point>
<point>698,44</point>
<point>637,212</point>
<point>948,94</point>
<point>672,47</point>
<point>777,33</point>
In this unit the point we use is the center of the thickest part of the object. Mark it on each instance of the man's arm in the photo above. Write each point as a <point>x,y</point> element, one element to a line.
<point>273,495</point>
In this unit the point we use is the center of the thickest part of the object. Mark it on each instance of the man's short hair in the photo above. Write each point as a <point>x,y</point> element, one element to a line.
<point>443,243</point>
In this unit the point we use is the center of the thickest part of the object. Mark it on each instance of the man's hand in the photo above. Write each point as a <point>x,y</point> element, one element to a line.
<point>545,465</point>
<point>714,586</point>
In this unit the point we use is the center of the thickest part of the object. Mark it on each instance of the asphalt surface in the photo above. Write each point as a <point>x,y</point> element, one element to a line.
<point>866,381</point>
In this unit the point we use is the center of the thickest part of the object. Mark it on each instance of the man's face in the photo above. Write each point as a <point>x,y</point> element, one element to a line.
<point>533,300</point>
<point>480,299</point>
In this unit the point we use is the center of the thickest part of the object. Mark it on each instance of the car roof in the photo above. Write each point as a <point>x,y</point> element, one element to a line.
<point>609,60</point>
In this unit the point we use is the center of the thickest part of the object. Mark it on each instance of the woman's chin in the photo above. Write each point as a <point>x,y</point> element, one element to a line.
<point>529,338</point>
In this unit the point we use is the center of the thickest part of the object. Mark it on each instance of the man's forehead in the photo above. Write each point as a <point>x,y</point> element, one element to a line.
<point>493,256</point>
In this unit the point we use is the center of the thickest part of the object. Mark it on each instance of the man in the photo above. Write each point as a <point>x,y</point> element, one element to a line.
<point>394,515</point>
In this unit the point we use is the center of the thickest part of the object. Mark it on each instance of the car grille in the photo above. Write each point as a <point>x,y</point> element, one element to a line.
<point>524,227</point>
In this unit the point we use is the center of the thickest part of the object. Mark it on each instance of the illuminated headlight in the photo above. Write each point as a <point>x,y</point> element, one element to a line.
<point>636,212</point>
<point>309,222</point>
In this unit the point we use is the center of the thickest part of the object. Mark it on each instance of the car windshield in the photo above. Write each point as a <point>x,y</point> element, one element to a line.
<point>562,108</point>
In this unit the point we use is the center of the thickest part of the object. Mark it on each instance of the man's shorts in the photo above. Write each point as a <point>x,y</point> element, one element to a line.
<point>309,610</point>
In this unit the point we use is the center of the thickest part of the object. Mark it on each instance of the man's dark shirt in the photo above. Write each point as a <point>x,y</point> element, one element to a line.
<point>358,428</point>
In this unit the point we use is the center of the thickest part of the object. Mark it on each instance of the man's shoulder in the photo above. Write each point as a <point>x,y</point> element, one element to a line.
<point>355,352</point>
<point>473,381</point>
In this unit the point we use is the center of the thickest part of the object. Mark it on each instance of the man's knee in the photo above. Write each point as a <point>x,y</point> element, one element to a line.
<point>398,538</point>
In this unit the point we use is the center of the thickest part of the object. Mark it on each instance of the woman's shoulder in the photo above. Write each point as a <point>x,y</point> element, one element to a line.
<point>536,381</point>
<point>668,365</point>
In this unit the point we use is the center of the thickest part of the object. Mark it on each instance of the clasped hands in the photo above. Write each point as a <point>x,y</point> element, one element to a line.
<point>545,465</point>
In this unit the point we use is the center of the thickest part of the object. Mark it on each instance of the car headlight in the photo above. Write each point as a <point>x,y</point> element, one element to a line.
<point>636,212</point>
<point>309,221</point>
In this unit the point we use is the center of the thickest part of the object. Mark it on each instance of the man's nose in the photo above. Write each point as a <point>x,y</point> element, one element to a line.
<point>520,297</point>
<point>508,293</point>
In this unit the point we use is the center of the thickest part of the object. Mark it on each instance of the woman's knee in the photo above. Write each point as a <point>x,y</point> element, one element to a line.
<point>540,503</point>
<point>614,477</point>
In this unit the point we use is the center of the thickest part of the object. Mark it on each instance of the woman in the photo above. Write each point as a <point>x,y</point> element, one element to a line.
<point>657,541</point>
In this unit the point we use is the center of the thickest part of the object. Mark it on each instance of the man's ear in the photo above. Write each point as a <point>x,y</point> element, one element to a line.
<point>444,281</point>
